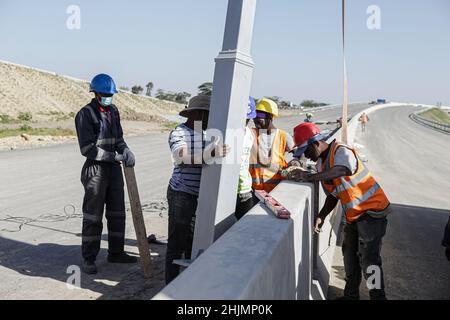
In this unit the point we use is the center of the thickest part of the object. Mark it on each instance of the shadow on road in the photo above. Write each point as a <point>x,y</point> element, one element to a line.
<point>51,260</point>
<point>414,262</point>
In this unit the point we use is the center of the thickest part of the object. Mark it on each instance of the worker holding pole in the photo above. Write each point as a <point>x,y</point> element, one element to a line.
<point>189,154</point>
<point>345,178</point>
<point>270,145</point>
<point>100,138</point>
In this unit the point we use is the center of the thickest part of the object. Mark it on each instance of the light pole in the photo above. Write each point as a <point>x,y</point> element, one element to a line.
<point>232,81</point>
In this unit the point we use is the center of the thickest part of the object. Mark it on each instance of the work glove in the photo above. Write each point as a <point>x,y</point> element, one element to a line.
<point>128,158</point>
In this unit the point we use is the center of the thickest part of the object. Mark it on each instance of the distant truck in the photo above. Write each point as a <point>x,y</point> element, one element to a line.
<point>381,101</point>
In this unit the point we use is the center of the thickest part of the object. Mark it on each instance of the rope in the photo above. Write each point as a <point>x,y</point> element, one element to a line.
<point>44,218</point>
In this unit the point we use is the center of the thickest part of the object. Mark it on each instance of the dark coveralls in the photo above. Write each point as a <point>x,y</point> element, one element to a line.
<point>100,136</point>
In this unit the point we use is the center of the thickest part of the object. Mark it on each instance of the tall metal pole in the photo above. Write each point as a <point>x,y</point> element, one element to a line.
<point>232,81</point>
<point>344,135</point>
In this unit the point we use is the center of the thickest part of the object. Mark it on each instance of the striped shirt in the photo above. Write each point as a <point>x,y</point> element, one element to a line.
<point>186,178</point>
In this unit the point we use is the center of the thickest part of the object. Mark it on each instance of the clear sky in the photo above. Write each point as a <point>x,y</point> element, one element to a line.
<point>296,45</point>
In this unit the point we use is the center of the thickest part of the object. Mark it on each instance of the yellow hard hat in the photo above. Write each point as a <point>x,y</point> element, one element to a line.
<point>269,106</point>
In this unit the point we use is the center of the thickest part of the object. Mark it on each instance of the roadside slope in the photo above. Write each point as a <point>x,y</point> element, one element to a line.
<point>41,93</point>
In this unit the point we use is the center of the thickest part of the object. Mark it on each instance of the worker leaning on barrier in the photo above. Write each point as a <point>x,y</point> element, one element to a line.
<point>100,137</point>
<point>345,178</point>
<point>189,154</point>
<point>270,145</point>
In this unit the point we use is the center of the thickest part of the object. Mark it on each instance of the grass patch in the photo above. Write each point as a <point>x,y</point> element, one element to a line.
<point>170,124</point>
<point>436,114</point>
<point>58,116</point>
<point>36,132</point>
<point>6,119</point>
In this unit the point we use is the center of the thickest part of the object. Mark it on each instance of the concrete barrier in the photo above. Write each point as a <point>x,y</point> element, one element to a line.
<point>262,257</point>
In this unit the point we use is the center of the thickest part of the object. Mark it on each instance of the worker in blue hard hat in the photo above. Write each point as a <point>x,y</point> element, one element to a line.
<point>100,137</point>
<point>245,195</point>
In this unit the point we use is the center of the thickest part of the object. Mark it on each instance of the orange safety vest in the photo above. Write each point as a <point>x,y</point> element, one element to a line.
<point>266,172</point>
<point>359,192</point>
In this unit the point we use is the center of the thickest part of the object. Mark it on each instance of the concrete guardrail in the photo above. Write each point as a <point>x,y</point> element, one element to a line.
<point>262,257</point>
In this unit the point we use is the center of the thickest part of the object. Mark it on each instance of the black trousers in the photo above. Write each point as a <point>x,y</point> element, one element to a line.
<point>103,185</point>
<point>182,207</point>
<point>361,250</point>
<point>244,203</point>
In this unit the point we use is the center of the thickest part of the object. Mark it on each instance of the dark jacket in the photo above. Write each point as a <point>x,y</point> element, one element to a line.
<point>99,138</point>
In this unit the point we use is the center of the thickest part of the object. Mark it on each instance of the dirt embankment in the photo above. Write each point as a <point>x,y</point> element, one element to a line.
<point>31,98</point>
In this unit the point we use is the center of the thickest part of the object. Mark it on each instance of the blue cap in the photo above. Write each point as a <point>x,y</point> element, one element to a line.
<point>251,111</point>
<point>301,150</point>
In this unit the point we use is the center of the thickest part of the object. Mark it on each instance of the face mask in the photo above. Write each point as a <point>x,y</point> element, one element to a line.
<point>106,101</point>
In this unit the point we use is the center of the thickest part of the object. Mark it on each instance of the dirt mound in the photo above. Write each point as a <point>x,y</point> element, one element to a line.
<point>42,93</point>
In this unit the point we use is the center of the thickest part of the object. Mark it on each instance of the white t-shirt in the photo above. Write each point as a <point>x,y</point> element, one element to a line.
<point>245,179</point>
<point>343,157</point>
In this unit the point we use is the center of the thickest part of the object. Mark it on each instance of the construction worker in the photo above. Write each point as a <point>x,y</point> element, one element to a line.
<point>363,119</point>
<point>100,137</point>
<point>270,145</point>
<point>189,154</point>
<point>308,117</point>
<point>245,195</point>
<point>345,178</point>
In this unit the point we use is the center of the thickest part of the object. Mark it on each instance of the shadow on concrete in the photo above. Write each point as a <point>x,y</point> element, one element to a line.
<point>51,260</point>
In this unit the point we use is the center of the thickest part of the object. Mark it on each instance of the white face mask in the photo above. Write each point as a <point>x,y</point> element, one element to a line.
<point>106,101</point>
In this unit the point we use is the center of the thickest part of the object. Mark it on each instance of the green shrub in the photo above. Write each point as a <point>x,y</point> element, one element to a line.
<point>25,127</point>
<point>25,116</point>
<point>4,118</point>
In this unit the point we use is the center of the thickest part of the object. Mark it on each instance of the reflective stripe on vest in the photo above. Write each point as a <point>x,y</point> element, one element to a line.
<point>267,177</point>
<point>359,192</point>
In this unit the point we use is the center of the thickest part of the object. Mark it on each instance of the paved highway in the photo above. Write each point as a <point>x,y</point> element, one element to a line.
<point>34,261</point>
<point>412,163</point>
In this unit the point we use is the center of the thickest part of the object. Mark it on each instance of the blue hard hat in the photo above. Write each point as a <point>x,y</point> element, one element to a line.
<point>251,111</point>
<point>103,83</point>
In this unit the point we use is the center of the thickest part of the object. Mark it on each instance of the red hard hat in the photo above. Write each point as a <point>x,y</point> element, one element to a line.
<point>305,131</point>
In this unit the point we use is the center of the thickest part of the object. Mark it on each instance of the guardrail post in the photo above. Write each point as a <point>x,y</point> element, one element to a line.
<point>232,81</point>
<point>315,209</point>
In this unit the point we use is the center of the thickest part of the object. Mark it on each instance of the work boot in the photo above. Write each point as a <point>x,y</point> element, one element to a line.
<point>89,267</point>
<point>121,258</point>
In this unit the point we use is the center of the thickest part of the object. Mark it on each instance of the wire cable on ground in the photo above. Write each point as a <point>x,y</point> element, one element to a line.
<point>70,212</point>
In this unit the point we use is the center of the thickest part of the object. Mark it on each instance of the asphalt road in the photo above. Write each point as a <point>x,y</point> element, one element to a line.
<point>412,164</point>
<point>42,182</point>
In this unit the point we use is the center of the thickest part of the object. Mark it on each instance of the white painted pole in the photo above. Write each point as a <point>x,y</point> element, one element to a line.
<point>232,81</point>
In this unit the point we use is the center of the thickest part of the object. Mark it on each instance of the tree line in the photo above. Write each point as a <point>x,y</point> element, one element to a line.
<point>206,89</point>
